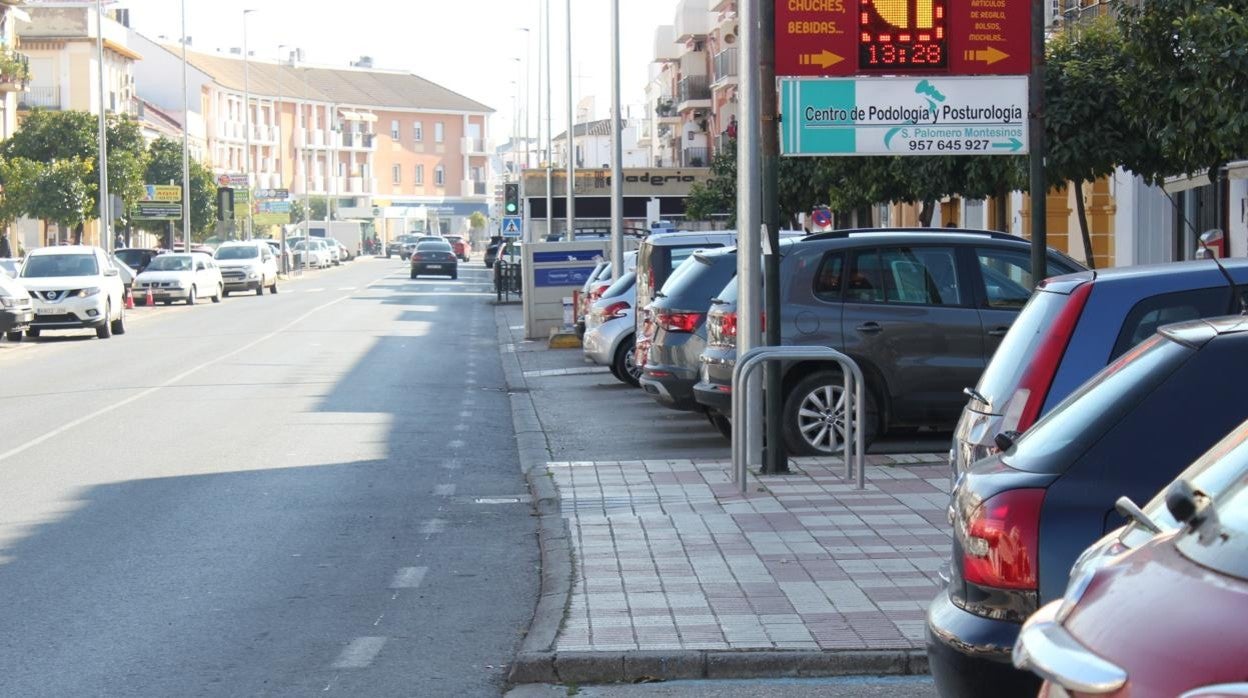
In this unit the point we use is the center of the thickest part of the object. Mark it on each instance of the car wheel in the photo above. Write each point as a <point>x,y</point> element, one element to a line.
<point>33,333</point>
<point>105,330</point>
<point>220,293</point>
<point>225,293</point>
<point>190,296</point>
<point>815,413</point>
<point>273,288</point>
<point>260,289</point>
<point>167,302</point>
<point>722,424</point>
<point>13,336</point>
<point>119,325</point>
<point>454,276</point>
<point>624,367</point>
<point>414,275</point>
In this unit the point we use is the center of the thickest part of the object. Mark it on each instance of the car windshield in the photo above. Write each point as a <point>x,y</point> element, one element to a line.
<point>170,262</point>
<point>237,252</point>
<point>49,265</point>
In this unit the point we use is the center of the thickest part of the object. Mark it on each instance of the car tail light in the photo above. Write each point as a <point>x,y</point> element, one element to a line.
<point>1023,407</point>
<point>679,322</point>
<point>615,310</point>
<point>596,292</point>
<point>1000,539</point>
<point>418,256</point>
<point>722,330</point>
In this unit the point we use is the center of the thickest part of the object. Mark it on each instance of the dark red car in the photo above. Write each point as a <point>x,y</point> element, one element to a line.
<point>1165,620</point>
<point>460,246</point>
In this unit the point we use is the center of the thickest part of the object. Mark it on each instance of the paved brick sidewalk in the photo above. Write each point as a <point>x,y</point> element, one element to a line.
<point>669,556</point>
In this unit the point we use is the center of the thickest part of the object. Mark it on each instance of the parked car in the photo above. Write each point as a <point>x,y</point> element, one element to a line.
<point>461,246</point>
<point>600,279</point>
<point>332,251</point>
<point>491,252</point>
<point>246,266</point>
<point>9,266</point>
<point>137,258</point>
<point>678,323</point>
<point>435,256</point>
<point>910,306</point>
<point>399,246</point>
<point>312,253</point>
<point>1164,619</point>
<point>1069,329</point>
<point>1021,518</point>
<point>344,253</point>
<point>180,277</point>
<point>610,331</point>
<point>74,286</point>
<point>17,310</point>
<point>276,247</point>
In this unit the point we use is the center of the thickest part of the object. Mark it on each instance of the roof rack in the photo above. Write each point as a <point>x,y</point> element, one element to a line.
<point>835,234</point>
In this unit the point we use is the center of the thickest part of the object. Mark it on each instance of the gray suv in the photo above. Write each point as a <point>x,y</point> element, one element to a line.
<point>920,310</point>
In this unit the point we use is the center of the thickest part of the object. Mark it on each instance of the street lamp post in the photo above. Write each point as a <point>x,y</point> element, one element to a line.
<point>246,122</point>
<point>186,143</point>
<point>550,153</point>
<point>281,145</point>
<point>528,68</point>
<point>106,237</point>
<point>571,197</point>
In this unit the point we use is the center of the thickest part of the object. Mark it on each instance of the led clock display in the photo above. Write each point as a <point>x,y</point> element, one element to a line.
<point>903,35</point>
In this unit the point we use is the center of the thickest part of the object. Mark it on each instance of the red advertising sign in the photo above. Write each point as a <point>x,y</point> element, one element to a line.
<point>842,38</point>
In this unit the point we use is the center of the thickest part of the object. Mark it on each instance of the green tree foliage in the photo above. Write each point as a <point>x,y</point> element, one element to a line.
<point>1184,84</point>
<point>17,182</point>
<point>318,206</point>
<point>719,195</point>
<point>164,166</point>
<point>477,221</point>
<point>60,194</point>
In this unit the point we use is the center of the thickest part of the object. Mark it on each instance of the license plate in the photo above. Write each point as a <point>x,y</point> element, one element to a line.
<point>434,266</point>
<point>52,311</point>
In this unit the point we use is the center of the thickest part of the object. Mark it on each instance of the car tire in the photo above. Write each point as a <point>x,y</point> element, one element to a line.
<point>119,325</point>
<point>722,424</point>
<point>220,293</point>
<point>454,276</point>
<point>273,288</point>
<point>414,275</point>
<point>810,404</point>
<point>225,293</point>
<point>167,302</point>
<point>623,366</point>
<point>13,336</point>
<point>190,295</point>
<point>33,333</point>
<point>260,289</point>
<point>105,330</point>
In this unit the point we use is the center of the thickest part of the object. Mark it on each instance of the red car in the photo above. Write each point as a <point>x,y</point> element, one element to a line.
<point>1165,620</point>
<point>460,246</point>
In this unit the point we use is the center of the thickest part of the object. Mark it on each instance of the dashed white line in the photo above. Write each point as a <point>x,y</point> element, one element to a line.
<point>346,288</point>
<point>408,577</point>
<point>433,526</point>
<point>313,290</point>
<point>456,443</point>
<point>444,490</point>
<point>360,653</point>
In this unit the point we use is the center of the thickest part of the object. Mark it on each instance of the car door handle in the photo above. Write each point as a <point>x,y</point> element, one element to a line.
<point>998,332</point>
<point>869,327</point>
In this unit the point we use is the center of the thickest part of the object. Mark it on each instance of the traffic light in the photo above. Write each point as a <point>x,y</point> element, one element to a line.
<point>511,198</point>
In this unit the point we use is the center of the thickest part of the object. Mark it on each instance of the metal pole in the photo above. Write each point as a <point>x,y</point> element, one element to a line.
<point>331,188</point>
<point>106,220</point>
<point>247,122</point>
<point>571,233</point>
<point>1038,189</point>
<point>617,150</point>
<point>775,458</point>
<point>550,153</point>
<point>749,212</point>
<point>281,145</point>
<point>186,143</point>
<point>528,69</point>
<point>307,175</point>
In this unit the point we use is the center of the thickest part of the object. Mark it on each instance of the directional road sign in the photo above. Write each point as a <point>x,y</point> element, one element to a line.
<point>902,37</point>
<point>904,116</point>
<point>512,225</point>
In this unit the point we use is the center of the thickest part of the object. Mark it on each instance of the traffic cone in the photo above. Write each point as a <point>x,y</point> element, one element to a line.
<point>129,301</point>
<point>149,300</point>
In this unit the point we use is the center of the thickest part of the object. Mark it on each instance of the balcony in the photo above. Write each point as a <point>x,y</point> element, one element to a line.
<point>694,93</point>
<point>355,185</point>
<point>666,110</point>
<point>359,141</point>
<point>470,187</point>
<point>41,97</point>
<point>665,48</point>
<point>693,19</point>
<point>14,71</point>
<point>695,157</point>
<point>726,67</point>
<point>472,146</point>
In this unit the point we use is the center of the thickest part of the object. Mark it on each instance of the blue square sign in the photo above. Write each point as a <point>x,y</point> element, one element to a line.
<point>512,225</point>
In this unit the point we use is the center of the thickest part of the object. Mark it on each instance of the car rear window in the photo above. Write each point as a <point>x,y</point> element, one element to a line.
<point>1064,434</point>
<point>729,293</point>
<point>433,246</point>
<point>1005,371</point>
<point>657,262</point>
<point>1167,308</point>
<point>700,280</point>
<point>621,285</point>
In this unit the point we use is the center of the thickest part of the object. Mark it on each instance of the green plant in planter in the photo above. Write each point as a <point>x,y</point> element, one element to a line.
<point>14,68</point>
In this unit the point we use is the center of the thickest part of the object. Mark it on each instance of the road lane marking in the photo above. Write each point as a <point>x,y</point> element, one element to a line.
<point>444,490</point>
<point>176,379</point>
<point>408,577</point>
<point>456,443</point>
<point>346,288</point>
<point>433,526</point>
<point>360,653</point>
<point>313,290</point>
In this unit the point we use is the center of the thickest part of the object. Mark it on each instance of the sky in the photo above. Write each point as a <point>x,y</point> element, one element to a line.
<point>467,46</point>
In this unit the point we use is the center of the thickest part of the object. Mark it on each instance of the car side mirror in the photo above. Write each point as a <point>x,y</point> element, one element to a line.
<point>1005,440</point>
<point>111,272</point>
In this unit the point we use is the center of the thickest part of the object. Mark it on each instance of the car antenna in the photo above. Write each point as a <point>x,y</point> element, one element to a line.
<point>1236,296</point>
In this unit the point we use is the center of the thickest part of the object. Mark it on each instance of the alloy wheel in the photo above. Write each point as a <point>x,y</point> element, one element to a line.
<point>821,418</point>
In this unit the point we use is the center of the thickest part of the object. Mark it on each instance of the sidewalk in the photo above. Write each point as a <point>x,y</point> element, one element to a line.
<point>659,567</point>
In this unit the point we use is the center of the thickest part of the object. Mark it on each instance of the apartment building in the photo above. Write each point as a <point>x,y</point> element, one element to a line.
<point>14,65</point>
<point>591,142</point>
<point>381,144</point>
<point>60,43</point>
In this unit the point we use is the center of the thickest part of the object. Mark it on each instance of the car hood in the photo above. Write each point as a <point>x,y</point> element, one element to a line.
<point>237,263</point>
<point>9,287</point>
<point>60,283</point>
<point>164,276</point>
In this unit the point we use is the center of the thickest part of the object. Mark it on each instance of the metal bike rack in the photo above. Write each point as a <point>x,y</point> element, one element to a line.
<point>853,390</point>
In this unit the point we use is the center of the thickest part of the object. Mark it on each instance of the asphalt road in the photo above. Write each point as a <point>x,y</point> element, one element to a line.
<point>311,493</point>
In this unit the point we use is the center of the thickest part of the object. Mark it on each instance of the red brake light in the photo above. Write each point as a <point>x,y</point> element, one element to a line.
<point>1038,377</point>
<point>722,330</point>
<point>679,322</point>
<point>728,325</point>
<point>1000,540</point>
<point>615,310</point>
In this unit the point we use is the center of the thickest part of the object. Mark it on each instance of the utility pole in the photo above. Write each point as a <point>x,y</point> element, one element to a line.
<point>749,208</point>
<point>571,233</point>
<point>106,220</point>
<point>1038,188</point>
<point>186,143</point>
<point>617,151</point>
<point>775,459</point>
<point>550,153</point>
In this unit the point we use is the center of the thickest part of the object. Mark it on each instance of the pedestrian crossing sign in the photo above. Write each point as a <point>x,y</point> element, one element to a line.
<point>511,226</point>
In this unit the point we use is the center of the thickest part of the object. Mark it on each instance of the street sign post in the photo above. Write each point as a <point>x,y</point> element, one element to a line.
<point>159,210</point>
<point>904,116</point>
<point>840,38</point>
<point>162,192</point>
<point>512,226</point>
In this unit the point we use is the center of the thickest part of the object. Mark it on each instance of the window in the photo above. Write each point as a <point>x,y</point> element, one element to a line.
<point>418,131</point>
<point>1149,314</point>
<point>1007,276</point>
<point>828,280</point>
<point>439,176</point>
<point>919,275</point>
<point>437,132</point>
<point>420,174</point>
<point>394,129</point>
<point>396,174</point>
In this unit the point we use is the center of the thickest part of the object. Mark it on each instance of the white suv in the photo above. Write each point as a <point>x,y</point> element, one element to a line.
<point>247,266</point>
<point>74,286</point>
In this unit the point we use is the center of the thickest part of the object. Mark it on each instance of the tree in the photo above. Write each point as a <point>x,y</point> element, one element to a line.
<point>477,221</point>
<point>17,183</point>
<point>1185,63</point>
<point>60,194</point>
<point>718,196</point>
<point>164,166</point>
<point>318,205</point>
